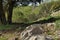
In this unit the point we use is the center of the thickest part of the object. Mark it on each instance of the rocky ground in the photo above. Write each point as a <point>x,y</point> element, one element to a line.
<point>45,31</point>
<point>41,32</point>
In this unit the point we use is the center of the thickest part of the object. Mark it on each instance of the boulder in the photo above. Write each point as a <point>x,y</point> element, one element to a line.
<point>36,32</point>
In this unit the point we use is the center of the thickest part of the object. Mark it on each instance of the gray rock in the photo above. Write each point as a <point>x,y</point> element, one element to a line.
<point>35,32</point>
<point>49,37</point>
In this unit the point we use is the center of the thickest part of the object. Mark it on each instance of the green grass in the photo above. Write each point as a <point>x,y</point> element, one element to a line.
<point>28,14</point>
<point>3,38</point>
<point>25,14</point>
<point>6,27</point>
<point>57,24</point>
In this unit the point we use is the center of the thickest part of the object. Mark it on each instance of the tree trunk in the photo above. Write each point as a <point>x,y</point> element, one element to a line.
<point>10,10</point>
<point>2,14</point>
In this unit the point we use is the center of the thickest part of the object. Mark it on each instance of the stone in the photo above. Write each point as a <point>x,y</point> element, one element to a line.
<point>51,26</point>
<point>49,37</point>
<point>33,32</point>
<point>37,32</point>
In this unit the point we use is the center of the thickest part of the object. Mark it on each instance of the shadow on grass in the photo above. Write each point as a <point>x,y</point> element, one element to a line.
<point>12,27</point>
<point>24,25</point>
<point>50,20</point>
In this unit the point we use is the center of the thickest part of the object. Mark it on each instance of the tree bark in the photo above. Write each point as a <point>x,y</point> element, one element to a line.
<point>2,14</point>
<point>10,10</point>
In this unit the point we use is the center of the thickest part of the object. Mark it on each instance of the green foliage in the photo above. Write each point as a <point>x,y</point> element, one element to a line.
<point>28,14</point>
<point>57,24</point>
<point>25,14</point>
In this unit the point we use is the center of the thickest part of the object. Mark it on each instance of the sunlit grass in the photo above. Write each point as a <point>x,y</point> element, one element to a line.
<point>23,14</point>
<point>27,14</point>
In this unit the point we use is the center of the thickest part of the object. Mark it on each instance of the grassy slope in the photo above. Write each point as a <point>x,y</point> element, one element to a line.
<point>28,14</point>
<point>23,14</point>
